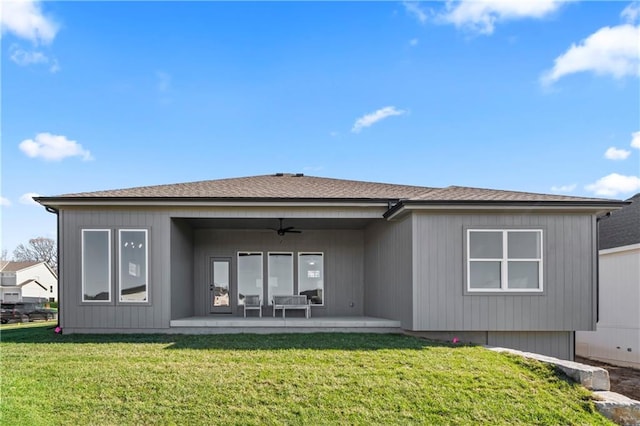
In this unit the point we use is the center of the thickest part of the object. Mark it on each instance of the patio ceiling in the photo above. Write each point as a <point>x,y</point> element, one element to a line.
<point>272,223</point>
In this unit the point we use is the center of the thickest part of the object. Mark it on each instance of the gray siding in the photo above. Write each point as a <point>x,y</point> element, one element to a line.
<point>343,263</point>
<point>78,316</point>
<point>172,273</point>
<point>182,283</point>
<point>567,302</point>
<point>389,271</point>
<point>559,344</point>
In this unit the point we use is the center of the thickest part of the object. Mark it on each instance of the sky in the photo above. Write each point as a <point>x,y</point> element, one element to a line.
<point>529,96</point>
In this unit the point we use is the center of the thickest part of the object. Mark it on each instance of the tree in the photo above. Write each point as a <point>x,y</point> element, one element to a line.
<point>40,249</point>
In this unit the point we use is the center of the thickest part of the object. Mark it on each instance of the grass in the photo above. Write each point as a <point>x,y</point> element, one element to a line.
<point>274,379</point>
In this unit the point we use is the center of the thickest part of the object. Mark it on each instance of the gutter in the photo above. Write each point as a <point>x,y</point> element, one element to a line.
<point>212,201</point>
<point>597,205</point>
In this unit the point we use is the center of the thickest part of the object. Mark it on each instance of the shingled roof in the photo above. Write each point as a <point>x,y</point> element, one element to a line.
<point>276,186</point>
<point>7,266</point>
<point>300,187</point>
<point>622,228</point>
<point>461,193</point>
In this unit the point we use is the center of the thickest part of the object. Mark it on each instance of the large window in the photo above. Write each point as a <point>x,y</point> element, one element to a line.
<point>133,279</point>
<point>280,269</point>
<point>311,277</point>
<point>504,260</point>
<point>96,265</point>
<point>249,275</point>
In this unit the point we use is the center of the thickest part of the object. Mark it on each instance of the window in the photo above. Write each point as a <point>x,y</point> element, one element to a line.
<point>249,275</point>
<point>280,269</point>
<point>8,279</point>
<point>311,277</point>
<point>504,260</point>
<point>133,260</point>
<point>96,265</point>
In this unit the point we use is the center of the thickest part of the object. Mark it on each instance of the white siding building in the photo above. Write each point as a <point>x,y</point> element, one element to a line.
<point>27,282</point>
<point>617,337</point>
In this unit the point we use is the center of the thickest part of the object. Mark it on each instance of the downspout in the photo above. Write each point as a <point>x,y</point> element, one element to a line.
<point>57,213</point>
<point>598,219</point>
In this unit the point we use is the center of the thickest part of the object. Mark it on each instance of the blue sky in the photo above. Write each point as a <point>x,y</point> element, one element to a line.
<point>540,97</point>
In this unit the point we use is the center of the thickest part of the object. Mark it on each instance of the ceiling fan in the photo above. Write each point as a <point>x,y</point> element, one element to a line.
<point>281,230</point>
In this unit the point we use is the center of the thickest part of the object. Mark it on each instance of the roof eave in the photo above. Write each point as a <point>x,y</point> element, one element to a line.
<point>595,206</point>
<point>209,201</point>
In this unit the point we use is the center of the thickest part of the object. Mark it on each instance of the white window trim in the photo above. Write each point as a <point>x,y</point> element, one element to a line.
<point>504,263</point>
<point>146,269</point>
<point>324,284</point>
<point>82,265</point>
<point>269,253</point>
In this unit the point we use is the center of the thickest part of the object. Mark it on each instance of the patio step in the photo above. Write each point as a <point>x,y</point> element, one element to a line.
<point>214,325</point>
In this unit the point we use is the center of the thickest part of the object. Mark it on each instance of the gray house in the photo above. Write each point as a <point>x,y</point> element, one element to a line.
<point>497,267</point>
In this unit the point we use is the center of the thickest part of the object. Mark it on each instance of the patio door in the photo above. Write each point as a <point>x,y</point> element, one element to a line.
<point>220,285</point>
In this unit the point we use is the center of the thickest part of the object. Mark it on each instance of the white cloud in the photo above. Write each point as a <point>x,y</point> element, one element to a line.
<point>53,148</point>
<point>564,188</point>
<point>25,58</point>
<point>414,9</point>
<point>5,202</point>
<point>25,19</point>
<point>610,50</point>
<point>55,66</point>
<point>369,119</point>
<point>482,16</point>
<point>164,81</point>
<point>413,42</point>
<point>631,13</point>
<point>616,154</point>
<point>614,184</point>
<point>635,140</point>
<point>28,198</point>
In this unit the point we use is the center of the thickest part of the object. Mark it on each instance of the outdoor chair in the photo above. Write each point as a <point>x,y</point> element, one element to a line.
<point>252,302</point>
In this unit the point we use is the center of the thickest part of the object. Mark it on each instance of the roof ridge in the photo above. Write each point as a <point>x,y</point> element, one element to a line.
<point>158,185</point>
<point>258,186</point>
<point>511,191</point>
<point>15,263</point>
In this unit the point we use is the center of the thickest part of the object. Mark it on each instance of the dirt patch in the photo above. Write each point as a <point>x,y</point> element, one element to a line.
<point>624,380</point>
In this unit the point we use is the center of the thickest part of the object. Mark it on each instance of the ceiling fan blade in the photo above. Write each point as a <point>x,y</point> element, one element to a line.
<point>282,230</point>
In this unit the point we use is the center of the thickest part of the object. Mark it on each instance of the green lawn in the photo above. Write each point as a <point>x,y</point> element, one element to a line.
<point>273,379</point>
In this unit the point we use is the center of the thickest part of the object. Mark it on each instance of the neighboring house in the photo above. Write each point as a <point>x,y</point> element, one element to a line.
<point>503,268</point>
<point>617,337</point>
<point>27,282</point>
